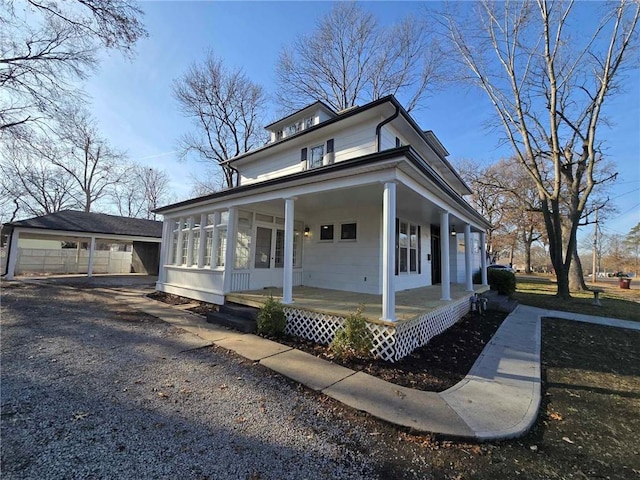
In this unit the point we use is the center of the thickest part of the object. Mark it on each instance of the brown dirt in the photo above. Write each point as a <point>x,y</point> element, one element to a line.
<point>435,367</point>
<point>169,298</point>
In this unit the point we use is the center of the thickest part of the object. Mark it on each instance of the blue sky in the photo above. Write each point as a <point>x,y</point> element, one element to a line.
<point>132,98</point>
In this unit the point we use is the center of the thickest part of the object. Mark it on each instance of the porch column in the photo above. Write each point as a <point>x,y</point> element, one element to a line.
<point>444,262</point>
<point>389,252</point>
<point>483,258</point>
<point>230,252</point>
<point>92,249</point>
<point>287,283</point>
<point>13,254</point>
<point>467,258</point>
<point>165,248</point>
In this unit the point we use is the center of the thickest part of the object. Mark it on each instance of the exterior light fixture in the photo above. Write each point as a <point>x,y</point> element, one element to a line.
<point>306,231</point>
<point>453,231</point>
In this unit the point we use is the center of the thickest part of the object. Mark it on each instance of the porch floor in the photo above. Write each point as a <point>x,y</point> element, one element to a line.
<point>409,303</point>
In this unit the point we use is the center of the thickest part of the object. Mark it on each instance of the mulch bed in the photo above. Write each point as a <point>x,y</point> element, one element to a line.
<point>435,367</point>
<point>439,365</point>
<point>202,308</point>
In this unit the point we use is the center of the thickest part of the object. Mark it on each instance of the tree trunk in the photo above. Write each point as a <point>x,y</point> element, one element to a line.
<point>553,223</point>
<point>576,274</point>
<point>527,256</point>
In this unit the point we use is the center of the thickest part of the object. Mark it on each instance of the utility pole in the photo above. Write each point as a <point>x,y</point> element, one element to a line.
<point>595,247</point>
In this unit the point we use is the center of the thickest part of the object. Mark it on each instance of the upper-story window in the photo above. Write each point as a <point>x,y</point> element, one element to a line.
<point>293,128</point>
<point>308,123</point>
<point>279,135</point>
<point>317,154</point>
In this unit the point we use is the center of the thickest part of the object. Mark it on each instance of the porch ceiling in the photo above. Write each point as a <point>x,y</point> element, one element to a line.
<point>409,303</point>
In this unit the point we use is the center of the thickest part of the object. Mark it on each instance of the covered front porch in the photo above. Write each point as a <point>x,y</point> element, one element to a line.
<point>409,303</point>
<point>420,313</point>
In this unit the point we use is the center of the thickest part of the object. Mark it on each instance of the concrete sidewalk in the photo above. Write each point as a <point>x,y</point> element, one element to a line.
<point>499,398</point>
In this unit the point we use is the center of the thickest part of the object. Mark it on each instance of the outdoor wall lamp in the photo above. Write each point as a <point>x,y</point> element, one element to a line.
<point>453,230</point>
<point>306,231</point>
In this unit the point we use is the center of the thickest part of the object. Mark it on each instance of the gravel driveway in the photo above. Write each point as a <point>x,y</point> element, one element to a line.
<point>91,389</point>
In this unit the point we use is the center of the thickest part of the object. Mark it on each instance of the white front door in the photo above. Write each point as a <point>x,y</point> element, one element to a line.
<point>268,258</point>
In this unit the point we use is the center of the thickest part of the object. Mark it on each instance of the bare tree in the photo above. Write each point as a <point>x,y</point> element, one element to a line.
<point>350,58</point>
<point>95,167</point>
<point>31,185</point>
<point>45,46</point>
<point>143,190</point>
<point>226,108</point>
<point>548,90</point>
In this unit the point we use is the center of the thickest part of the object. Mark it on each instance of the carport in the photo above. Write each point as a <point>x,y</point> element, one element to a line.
<point>77,227</point>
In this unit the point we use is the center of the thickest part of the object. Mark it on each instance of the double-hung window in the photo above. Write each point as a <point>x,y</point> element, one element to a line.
<point>407,247</point>
<point>317,154</point>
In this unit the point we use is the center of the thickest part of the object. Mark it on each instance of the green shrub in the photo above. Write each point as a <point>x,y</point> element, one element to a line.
<point>271,319</point>
<point>477,277</point>
<point>502,281</point>
<point>353,340</point>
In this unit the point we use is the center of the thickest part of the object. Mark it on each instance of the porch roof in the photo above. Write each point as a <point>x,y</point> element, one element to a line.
<point>409,303</point>
<point>402,154</point>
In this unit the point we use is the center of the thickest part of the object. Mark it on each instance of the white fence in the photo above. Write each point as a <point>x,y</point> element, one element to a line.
<point>70,260</point>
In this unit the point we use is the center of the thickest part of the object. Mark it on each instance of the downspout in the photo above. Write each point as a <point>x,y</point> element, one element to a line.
<point>6,264</point>
<point>383,123</point>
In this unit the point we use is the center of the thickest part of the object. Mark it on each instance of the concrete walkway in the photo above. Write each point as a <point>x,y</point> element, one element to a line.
<point>499,398</point>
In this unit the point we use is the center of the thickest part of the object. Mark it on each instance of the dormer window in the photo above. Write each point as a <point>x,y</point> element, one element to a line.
<point>293,128</point>
<point>308,123</point>
<point>279,135</point>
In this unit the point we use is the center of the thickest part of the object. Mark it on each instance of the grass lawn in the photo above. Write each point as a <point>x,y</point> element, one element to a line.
<point>539,291</point>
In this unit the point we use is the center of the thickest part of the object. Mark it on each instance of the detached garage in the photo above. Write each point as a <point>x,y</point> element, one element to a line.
<point>81,242</point>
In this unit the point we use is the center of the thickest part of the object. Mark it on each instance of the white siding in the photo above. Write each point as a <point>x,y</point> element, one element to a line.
<point>344,265</point>
<point>354,142</point>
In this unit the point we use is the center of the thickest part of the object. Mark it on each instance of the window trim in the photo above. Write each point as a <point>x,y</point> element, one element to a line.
<point>342,224</point>
<point>333,233</point>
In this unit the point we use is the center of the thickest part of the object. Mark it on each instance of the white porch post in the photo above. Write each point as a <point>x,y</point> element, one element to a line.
<point>483,258</point>
<point>13,254</point>
<point>215,240</point>
<point>467,258</point>
<point>444,262</point>
<point>287,283</point>
<point>165,248</point>
<point>230,252</point>
<point>388,252</point>
<point>92,249</point>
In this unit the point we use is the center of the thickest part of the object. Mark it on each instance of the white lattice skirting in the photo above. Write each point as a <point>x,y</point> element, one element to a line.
<point>390,342</point>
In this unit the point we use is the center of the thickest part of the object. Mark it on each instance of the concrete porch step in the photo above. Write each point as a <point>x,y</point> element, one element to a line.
<point>241,324</point>
<point>237,310</point>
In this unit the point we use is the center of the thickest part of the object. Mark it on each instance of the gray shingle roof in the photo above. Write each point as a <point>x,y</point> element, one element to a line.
<point>75,221</point>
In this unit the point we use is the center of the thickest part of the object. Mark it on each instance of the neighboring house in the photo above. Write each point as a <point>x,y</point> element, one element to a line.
<point>361,200</point>
<point>35,244</point>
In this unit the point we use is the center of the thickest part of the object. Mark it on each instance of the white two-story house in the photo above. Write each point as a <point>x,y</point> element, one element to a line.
<point>361,201</point>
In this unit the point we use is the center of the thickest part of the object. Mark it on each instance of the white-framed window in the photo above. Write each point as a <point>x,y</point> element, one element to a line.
<point>195,233</point>
<point>308,123</point>
<point>407,247</point>
<point>326,232</point>
<point>243,243</point>
<point>175,232</point>
<point>317,154</point>
<point>220,239</point>
<point>184,251</point>
<point>348,231</point>
<point>208,238</point>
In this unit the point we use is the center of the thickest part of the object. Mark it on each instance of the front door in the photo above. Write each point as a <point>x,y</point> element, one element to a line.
<point>268,258</point>
<point>436,269</point>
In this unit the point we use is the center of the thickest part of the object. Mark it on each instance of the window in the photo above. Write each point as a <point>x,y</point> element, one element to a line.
<point>407,247</point>
<point>243,243</point>
<point>185,242</point>
<point>279,135</point>
<point>399,142</point>
<point>293,128</point>
<point>317,153</point>
<point>174,242</point>
<point>326,232</point>
<point>348,231</point>
<point>308,123</point>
